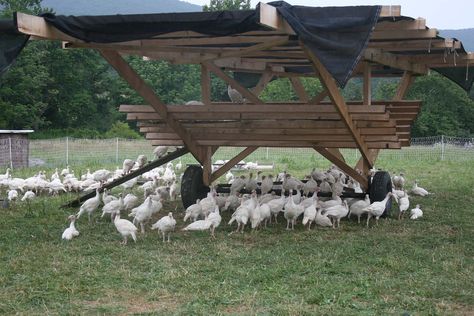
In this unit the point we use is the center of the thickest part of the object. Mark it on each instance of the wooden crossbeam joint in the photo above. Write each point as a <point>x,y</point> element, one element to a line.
<point>232,162</point>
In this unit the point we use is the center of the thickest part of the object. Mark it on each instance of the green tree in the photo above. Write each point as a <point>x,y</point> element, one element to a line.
<point>220,5</point>
<point>26,6</point>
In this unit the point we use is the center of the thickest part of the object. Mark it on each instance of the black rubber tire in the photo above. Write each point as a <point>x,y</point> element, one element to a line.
<point>379,187</point>
<point>192,187</point>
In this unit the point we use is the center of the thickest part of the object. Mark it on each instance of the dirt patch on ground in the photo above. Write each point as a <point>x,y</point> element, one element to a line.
<point>128,304</point>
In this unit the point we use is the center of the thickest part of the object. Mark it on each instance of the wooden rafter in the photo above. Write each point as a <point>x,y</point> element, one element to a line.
<point>337,99</point>
<point>231,163</point>
<point>367,84</point>
<point>388,59</point>
<point>299,89</point>
<point>262,83</point>
<point>341,164</point>
<point>205,85</point>
<point>234,84</point>
<point>137,83</point>
<point>317,99</point>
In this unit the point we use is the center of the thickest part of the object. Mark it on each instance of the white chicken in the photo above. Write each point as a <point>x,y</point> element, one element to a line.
<point>416,212</point>
<point>125,228</point>
<point>90,205</point>
<point>165,225</point>
<point>70,232</point>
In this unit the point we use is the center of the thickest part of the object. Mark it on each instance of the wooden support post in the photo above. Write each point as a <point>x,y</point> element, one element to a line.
<point>319,97</point>
<point>338,100</point>
<point>205,85</point>
<point>337,153</point>
<point>299,89</point>
<point>341,164</point>
<point>227,166</point>
<point>367,88</point>
<point>405,83</point>
<point>139,85</point>
<point>207,164</point>
<point>234,84</point>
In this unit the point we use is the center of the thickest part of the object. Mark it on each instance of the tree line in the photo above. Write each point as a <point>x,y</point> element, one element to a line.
<point>74,92</point>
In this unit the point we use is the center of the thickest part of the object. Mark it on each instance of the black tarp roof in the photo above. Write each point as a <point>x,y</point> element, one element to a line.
<point>336,35</point>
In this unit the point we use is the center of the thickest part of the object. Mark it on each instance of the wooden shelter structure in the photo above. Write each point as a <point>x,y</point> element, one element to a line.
<point>396,46</point>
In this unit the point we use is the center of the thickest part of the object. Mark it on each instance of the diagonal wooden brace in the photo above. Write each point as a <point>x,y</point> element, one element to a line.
<point>143,89</point>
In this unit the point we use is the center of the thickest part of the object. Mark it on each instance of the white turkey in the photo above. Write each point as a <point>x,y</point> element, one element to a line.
<point>143,214</point>
<point>376,209</point>
<point>113,208</point>
<point>336,213</point>
<point>193,211</point>
<point>290,183</point>
<point>106,198</point>
<point>276,206</point>
<point>127,166</point>
<point>291,212</point>
<point>403,204</point>
<point>90,205</point>
<point>5,176</point>
<point>28,196</point>
<point>101,175</point>
<point>237,185</point>
<point>252,183</point>
<point>232,202</point>
<point>160,151</point>
<point>322,220</point>
<point>416,190</point>
<point>165,225</point>
<point>358,208</point>
<point>125,228</point>
<point>309,214</point>
<point>130,201</point>
<point>215,218</point>
<point>267,184</point>
<point>229,177</point>
<point>310,186</point>
<point>12,195</point>
<point>141,161</point>
<point>70,232</point>
<point>242,214</point>
<point>416,212</point>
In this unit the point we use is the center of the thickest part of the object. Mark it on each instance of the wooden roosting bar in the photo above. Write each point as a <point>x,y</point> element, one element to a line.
<point>400,47</point>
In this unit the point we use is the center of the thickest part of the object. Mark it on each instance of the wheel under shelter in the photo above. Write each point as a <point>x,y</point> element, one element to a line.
<point>332,44</point>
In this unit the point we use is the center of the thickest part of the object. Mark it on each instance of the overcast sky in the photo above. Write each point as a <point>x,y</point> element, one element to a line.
<point>440,14</point>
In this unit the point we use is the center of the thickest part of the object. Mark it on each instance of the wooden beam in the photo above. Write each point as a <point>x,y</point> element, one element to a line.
<point>404,34</point>
<point>231,163</point>
<point>207,164</point>
<point>234,84</point>
<point>317,99</point>
<point>405,83</point>
<point>37,26</point>
<point>416,24</point>
<point>338,100</point>
<point>205,85</point>
<point>378,56</point>
<point>390,10</point>
<point>367,84</point>
<point>269,17</point>
<point>299,89</point>
<point>254,48</point>
<point>335,159</point>
<point>262,83</point>
<point>143,89</point>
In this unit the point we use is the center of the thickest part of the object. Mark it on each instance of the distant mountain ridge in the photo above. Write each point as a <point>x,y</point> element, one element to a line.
<point>105,7</point>
<point>466,36</point>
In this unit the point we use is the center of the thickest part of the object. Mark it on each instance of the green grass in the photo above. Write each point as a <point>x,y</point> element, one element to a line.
<point>419,267</point>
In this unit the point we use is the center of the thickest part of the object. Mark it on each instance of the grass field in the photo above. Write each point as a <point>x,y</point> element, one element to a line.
<point>420,267</point>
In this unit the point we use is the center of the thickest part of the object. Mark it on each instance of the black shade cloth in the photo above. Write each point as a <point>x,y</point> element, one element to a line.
<point>336,35</point>
<point>462,76</point>
<point>11,44</point>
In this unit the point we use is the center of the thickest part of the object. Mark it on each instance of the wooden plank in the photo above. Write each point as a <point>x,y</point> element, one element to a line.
<point>367,84</point>
<point>249,50</point>
<point>337,99</point>
<point>205,85</point>
<point>416,24</point>
<point>341,164</point>
<point>207,164</point>
<point>299,89</point>
<point>378,56</point>
<point>317,99</point>
<point>269,17</point>
<point>404,34</point>
<point>245,93</point>
<point>37,26</point>
<point>390,10</point>
<point>262,83</point>
<point>232,162</point>
<point>415,45</point>
<point>143,89</point>
<point>259,108</point>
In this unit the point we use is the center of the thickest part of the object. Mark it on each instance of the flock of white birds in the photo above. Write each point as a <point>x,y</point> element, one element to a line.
<point>254,210</point>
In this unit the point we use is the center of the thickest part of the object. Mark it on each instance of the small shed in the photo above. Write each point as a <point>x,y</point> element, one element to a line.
<point>14,148</point>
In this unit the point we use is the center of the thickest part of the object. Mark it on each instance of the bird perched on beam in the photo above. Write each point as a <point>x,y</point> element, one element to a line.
<point>235,95</point>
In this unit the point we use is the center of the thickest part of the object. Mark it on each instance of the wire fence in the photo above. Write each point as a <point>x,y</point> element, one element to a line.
<point>90,152</point>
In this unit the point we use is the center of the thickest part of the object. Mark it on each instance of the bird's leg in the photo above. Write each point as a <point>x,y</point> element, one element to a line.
<point>90,217</point>
<point>287,224</point>
<point>368,219</point>
<point>358,219</point>
<point>399,215</point>
<point>276,218</point>
<point>338,222</point>
<point>169,237</point>
<point>376,221</point>
<point>163,234</point>
<point>142,225</point>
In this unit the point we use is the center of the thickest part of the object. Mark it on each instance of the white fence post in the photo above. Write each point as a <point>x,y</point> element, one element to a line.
<point>10,150</point>
<point>116,150</point>
<point>442,147</point>
<point>67,150</point>
<point>267,154</point>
